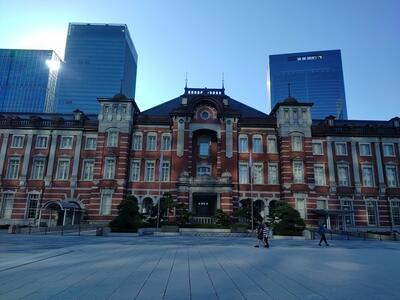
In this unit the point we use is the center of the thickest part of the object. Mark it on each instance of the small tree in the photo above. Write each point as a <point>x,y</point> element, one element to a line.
<point>167,203</point>
<point>222,218</point>
<point>244,212</point>
<point>183,215</point>
<point>128,218</point>
<point>286,220</point>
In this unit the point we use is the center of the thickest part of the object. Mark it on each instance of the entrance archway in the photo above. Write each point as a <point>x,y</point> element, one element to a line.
<point>67,212</point>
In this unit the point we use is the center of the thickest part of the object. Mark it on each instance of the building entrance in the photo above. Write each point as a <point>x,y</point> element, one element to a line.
<point>204,205</point>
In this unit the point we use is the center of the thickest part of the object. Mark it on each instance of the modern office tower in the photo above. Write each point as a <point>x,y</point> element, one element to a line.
<point>100,60</point>
<point>28,80</point>
<point>315,77</point>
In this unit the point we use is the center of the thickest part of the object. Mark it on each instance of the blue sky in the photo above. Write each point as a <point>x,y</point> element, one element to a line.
<point>208,37</point>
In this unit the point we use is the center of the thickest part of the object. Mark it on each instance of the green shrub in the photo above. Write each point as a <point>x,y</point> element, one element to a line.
<point>286,220</point>
<point>128,218</point>
<point>222,218</point>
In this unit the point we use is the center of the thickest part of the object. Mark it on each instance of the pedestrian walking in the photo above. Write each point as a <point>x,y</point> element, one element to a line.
<point>322,230</point>
<point>266,232</point>
<point>260,231</point>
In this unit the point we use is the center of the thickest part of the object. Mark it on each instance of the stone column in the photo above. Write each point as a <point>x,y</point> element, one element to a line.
<point>75,167</point>
<point>27,154</point>
<point>331,168</point>
<point>3,152</point>
<point>50,163</point>
<point>181,137</point>
<point>356,169</point>
<point>381,177</point>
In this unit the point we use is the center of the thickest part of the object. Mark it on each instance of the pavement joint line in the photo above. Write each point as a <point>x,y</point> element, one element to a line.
<point>35,261</point>
<point>190,281</point>
<point>169,275</point>
<point>208,274</point>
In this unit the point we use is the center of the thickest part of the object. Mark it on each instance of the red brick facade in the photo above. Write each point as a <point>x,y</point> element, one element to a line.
<point>344,171</point>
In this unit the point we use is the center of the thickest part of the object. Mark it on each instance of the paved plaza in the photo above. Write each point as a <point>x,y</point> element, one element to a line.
<point>90,267</point>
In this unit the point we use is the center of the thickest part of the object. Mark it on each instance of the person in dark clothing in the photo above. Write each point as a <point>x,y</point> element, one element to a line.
<point>266,233</point>
<point>260,231</point>
<point>322,231</point>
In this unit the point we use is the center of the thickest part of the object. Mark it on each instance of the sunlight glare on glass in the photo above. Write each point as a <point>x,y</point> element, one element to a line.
<point>53,64</point>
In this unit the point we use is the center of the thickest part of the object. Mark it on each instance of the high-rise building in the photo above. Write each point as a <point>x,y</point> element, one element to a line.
<point>100,60</point>
<point>28,80</point>
<point>315,77</point>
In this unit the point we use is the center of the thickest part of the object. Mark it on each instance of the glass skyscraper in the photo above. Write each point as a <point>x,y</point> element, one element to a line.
<point>28,80</point>
<point>313,77</point>
<point>100,61</point>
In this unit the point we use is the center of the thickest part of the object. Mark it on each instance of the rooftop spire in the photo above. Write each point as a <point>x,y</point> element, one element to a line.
<point>186,80</point>
<point>223,81</point>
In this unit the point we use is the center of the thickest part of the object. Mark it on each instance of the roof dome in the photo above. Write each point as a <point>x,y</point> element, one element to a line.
<point>119,96</point>
<point>290,100</point>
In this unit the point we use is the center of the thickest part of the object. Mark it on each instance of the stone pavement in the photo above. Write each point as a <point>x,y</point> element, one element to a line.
<point>89,267</point>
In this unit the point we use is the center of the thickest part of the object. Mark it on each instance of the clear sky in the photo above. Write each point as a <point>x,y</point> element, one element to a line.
<point>208,37</point>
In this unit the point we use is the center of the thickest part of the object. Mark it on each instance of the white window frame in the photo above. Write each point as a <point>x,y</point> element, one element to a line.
<point>245,148</point>
<point>38,138</point>
<point>105,208</point>
<point>6,208</point>
<point>303,209</point>
<point>372,174</point>
<point>84,164</point>
<point>204,141</point>
<point>58,168</point>
<point>260,149</point>
<point>360,145</point>
<point>351,208</point>
<point>20,138</point>
<point>203,170</point>
<point>395,205</point>
<point>165,147</point>
<point>112,138</point>
<point>296,179</point>
<point>243,178</point>
<point>150,135</point>
<point>165,171</point>
<point>146,171</point>
<point>133,162</point>
<point>323,180</point>
<point>13,158</point>
<point>387,166</point>
<point>376,211</point>
<point>90,147</point>
<point>297,143</point>
<point>28,205</point>
<point>137,146</point>
<point>110,169</point>
<point>319,200</point>
<point>261,173</point>
<point>348,174</point>
<point>337,145</point>
<point>319,144</point>
<point>276,173</point>
<point>33,173</point>
<point>66,137</point>
<point>274,147</point>
<point>393,150</point>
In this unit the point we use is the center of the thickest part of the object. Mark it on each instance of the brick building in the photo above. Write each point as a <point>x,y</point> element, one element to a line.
<point>62,168</point>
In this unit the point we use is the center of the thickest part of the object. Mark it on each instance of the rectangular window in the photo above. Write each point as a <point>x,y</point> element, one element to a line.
<point>149,171</point>
<point>151,142</point>
<point>319,175</point>
<point>301,207</point>
<point>203,148</point>
<point>32,205</point>
<point>105,205</point>
<point>88,168</point>
<point>17,141</point>
<point>63,169</point>
<point>367,175</point>
<point>391,176</point>
<point>258,176</point>
<point>372,213</point>
<point>243,144</point>
<point>317,148</point>
<point>341,148</point>
<point>13,168</point>
<point>271,145</point>
<point>6,205</point>
<point>243,173</point>
<point>112,139</point>
<point>109,168</point>
<point>395,205</point>
<point>41,142</point>
<point>298,172</point>
<point>165,171</point>
<point>297,143</point>
<point>137,142</point>
<point>273,173</point>
<point>203,171</point>
<point>343,175</point>
<point>257,144</point>
<point>38,168</point>
<point>66,142</point>
<point>166,143</point>
<point>347,205</point>
<point>388,150</point>
<point>135,170</point>
<point>90,143</point>
<point>365,149</point>
<point>321,204</point>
